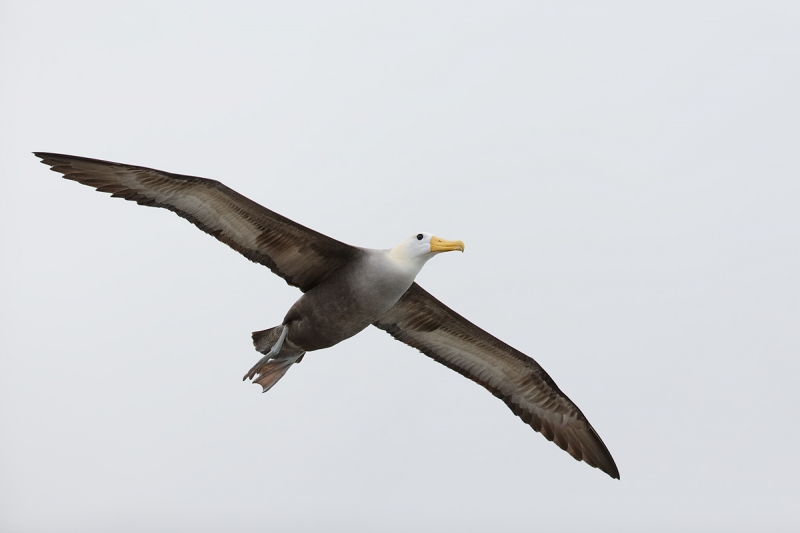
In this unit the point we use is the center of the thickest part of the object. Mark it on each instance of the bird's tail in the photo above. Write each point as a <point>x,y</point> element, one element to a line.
<point>265,339</point>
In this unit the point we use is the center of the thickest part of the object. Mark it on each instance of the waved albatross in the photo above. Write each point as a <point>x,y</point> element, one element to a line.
<point>347,288</point>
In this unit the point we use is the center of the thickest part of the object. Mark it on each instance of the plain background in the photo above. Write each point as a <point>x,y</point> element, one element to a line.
<point>624,175</point>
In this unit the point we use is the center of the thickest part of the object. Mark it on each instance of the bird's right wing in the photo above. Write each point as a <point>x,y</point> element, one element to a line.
<point>423,322</point>
<point>301,256</point>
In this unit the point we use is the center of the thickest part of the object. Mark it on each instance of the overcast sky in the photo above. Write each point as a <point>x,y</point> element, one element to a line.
<point>626,178</point>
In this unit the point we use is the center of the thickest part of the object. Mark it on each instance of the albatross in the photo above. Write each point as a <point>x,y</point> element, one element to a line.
<point>346,289</point>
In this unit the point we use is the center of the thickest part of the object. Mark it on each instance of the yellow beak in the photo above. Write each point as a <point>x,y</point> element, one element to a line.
<point>443,245</point>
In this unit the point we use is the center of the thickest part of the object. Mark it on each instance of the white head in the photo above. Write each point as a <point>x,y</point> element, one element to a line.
<point>418,248</point>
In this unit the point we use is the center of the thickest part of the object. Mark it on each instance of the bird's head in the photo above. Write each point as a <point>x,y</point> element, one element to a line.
<point>420,247</point>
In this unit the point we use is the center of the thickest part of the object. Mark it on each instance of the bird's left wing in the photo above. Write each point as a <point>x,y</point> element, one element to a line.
<point>423,322</point>
<point>301,256</point>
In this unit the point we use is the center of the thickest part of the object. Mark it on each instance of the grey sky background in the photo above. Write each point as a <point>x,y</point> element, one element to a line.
<point>624,176</point>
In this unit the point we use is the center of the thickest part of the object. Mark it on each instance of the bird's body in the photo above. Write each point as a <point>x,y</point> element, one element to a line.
<point>347,302</point>
<point>347,288</point>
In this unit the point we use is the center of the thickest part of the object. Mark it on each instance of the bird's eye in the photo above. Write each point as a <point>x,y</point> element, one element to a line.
<point>419,237</point>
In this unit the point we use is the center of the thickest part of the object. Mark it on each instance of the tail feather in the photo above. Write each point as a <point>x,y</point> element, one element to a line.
<point>265,339</point>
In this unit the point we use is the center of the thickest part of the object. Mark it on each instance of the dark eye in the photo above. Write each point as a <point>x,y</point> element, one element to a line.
<point>419,237</point>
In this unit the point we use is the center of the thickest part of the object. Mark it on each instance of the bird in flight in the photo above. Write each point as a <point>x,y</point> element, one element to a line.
<point>345,290</point>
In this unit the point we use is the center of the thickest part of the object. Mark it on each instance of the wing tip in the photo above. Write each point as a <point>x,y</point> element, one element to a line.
<point>608,466</point>
<point>595,454</point>
<point>589,449</point>
<point>56,162</point>
<point>601,456</point>
<point>45,155</point>
<point>50,158</point>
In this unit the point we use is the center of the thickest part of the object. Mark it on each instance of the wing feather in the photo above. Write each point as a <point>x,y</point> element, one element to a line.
<point>423,322</point>
<point>301,256</point>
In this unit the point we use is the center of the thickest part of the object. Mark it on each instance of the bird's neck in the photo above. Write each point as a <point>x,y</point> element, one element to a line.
<point>405,262</point>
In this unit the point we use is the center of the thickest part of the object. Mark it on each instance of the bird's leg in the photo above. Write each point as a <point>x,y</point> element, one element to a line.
<point>276,348</point>
<point>273,365</point>
<point>261,340</point>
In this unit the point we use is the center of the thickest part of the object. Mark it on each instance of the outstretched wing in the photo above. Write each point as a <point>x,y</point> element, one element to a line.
<point>298,254</point>
<point>425,323</point>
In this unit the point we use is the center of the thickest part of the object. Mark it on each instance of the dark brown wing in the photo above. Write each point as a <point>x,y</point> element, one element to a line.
<point>425,323</point>
<point>298,254</point>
